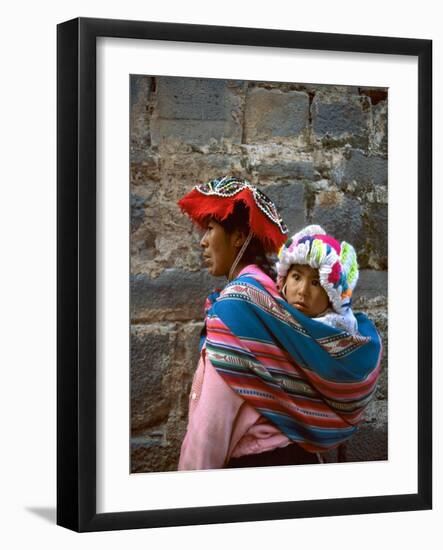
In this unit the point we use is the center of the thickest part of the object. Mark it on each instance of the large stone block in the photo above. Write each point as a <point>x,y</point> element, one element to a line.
<point>196,110</point>
<point>289,199</point>
<point>175,295</point>
<point>340,215</point>
<point>271,114</point>
<point>151,353</point>
<point>284,169</point>
<point>163,360</point>
<point>371,284</point>
<point>192,131</point>
<point>365,171</point>
<point>340,117</point>
<point>193,98</point>
<point>350,218</point>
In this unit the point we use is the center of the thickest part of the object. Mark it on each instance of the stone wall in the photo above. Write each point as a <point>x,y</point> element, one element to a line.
<point>320,152</point>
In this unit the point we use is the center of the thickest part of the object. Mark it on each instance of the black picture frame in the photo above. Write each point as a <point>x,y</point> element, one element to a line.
<point>76,273</point>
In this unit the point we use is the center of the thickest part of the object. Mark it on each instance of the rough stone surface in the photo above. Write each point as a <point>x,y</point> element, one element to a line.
<point>150,357</point>
<point>144,168</point>
<point>371,440</point>
<point>137,211</point>
<point>140,128</point>
<point>293,169</point>
<point>273,114</point>
<point>337,119</point>
<point>193,99</point>
<point>377,310</point>
<point>371,284</point>
<point>192,131</point>
<point>289,198</point>
<point>175,295</point>
<point>379,134</point>
<point>196,110</point>
<point>340,117</point>
<point>376,224</point>
<point>319,151</point>
<point>340,215</point>
<point>163,359</point>
<point>362,169</point>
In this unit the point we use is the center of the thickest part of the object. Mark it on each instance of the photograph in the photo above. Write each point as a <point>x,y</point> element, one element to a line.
<point>258,273</point>
<point>234,263</point>
<point>227,220</point>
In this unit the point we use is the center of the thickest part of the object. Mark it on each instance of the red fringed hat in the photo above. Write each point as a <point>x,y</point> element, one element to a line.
<point>218,197</point>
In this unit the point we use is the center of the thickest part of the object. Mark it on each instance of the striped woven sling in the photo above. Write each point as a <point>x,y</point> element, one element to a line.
<point>311,380</point>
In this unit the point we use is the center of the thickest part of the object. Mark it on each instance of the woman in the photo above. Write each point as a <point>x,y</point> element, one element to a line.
<point>272,385</point>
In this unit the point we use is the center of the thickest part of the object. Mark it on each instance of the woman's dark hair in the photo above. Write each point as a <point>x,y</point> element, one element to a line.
<point>255,252</point>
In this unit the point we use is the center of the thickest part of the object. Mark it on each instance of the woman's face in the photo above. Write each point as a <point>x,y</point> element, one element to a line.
<point>220,248</point>
<point>304,291</point>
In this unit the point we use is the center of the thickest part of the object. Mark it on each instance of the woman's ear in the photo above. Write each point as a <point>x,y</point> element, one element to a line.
<point>238,238</point>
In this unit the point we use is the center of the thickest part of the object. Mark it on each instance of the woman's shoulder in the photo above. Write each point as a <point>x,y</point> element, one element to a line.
<point>254,272</point>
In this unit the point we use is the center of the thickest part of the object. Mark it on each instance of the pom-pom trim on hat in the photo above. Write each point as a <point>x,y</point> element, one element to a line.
<point>336,263</point>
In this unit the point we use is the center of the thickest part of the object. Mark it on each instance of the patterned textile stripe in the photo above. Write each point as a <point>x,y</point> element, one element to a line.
<point>259,391</point>
<point>273,359</point>
<point>310,439</point>
<point>351,390</point>
<point>229,358</point>
<point>311,380</point>
<point>245,292</point>
<point>343,344</point>
<point>264,394</point>
<point>271,312</point>
<point>356,394</point>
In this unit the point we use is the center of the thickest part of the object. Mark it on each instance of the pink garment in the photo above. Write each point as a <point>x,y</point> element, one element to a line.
<point>221,424</point>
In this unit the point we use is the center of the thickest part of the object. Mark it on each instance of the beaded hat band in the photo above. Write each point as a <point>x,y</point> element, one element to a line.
<point>218,197</point>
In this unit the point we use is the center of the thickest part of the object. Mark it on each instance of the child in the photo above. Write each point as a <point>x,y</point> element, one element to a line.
<point>317,275</point>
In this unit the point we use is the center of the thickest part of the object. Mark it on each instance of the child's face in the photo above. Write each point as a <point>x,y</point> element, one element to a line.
<point>304,291</point>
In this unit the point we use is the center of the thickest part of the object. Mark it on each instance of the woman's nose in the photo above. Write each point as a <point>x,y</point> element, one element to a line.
<point>204,242</point>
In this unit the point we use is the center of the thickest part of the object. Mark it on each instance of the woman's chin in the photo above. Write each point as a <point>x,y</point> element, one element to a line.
<point>211,270</point>
<point>215,272</point>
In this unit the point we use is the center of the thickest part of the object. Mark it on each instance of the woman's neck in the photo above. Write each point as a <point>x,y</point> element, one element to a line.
<point>239,267</point>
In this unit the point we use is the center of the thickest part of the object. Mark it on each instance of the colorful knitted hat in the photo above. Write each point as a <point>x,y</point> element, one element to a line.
<point>336,263</point>
<point>218,197</point>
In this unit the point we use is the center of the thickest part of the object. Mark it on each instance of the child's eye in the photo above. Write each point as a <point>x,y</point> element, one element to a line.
<point>315,282</point>
<point>296,276</point>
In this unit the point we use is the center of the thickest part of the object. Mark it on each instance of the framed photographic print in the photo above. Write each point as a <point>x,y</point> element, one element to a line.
<point>182,404</point>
